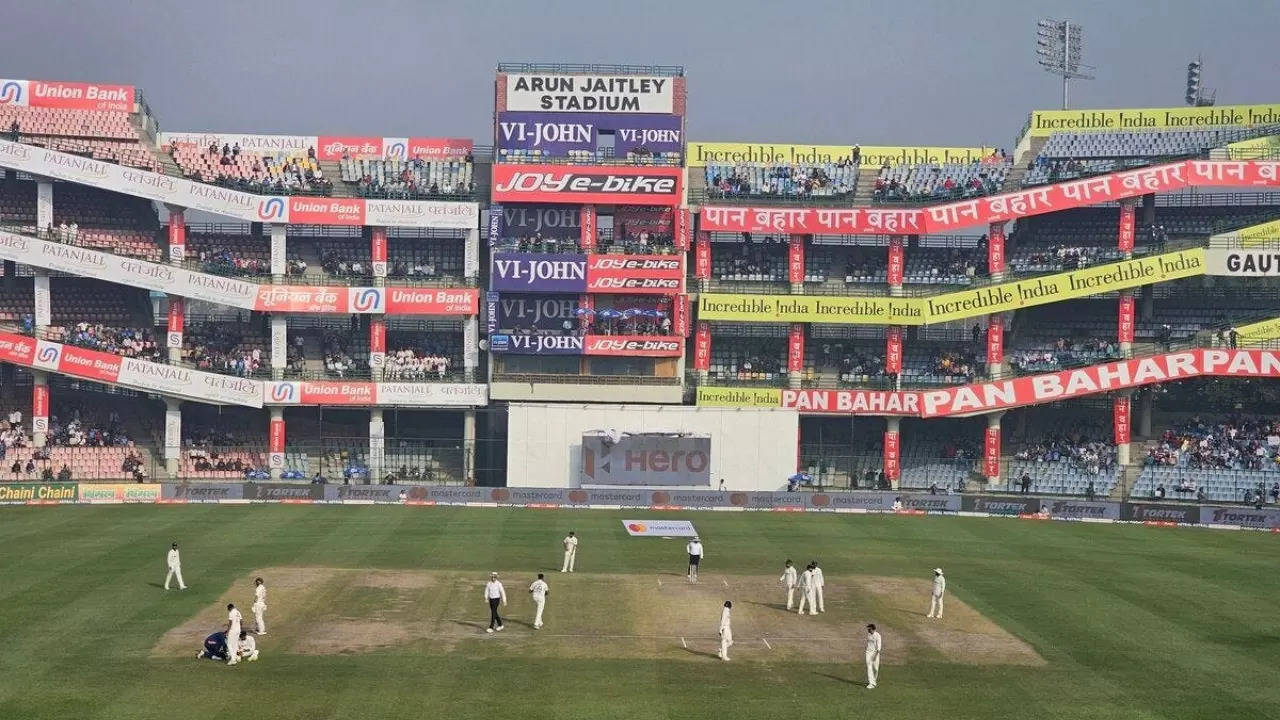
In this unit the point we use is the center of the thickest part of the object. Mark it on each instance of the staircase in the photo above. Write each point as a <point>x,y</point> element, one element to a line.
<point>1128,478</point>
<point>313,355</point>
<point>697,179</point>
<point>332,170</point>
<point>866,185</point>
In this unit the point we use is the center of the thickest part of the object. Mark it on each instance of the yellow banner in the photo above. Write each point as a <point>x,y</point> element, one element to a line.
<point>1259,331</point>
<point>954,305</point>
<point>1266,233</point>
<point>118,493</point>
<point>1255,149</point>
<point>1047,122</point>
<point>699,154</point>
<point>739,397</point>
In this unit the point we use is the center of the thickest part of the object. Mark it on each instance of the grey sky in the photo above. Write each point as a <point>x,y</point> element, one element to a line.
<point>914,73</point>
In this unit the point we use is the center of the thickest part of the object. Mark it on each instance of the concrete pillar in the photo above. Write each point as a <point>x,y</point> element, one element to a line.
<point>470,347</point>
<point>172,435</point>
<point>279,346</point>
<point>177,326</point>
<point>377,446</point>
<point>893,451</point>
<point>1146,408</point>
<point>177,234</point>
<point>39,408</point>
<point>588,233</point>
<point>44,220</point>
<point>279,252</point>
<point>276,442</point>
<point>991,449</point>
<point>469,446</point>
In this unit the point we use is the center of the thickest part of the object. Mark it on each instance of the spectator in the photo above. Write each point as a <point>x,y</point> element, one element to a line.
<point>64,474</point>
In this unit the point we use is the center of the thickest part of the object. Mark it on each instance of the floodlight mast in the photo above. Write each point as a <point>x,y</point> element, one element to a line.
<point>1059,47</point>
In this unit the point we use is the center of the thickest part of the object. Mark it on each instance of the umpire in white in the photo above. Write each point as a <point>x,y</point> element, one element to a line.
<point>694,548</point>
<point>494,593</point>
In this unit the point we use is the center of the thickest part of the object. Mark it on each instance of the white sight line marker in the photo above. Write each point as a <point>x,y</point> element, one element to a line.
<point>683,644</point>
<point>766,643</point>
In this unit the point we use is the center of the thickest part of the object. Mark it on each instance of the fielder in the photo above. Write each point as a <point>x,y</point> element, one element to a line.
<point>694,548</point>
<point>215,647</point>
<point>874,645</point>
<point>807,592</point>
<point>175,568</point>
<point>818,583</point>
<point>494,593</point>
<point>726,632</point>
<point>570,552</point>
<point>248,646</point>
<point>234,618</point>
<point>260,605</point>
<point>539,591</point>
<point>939,589</point>
<point>789,579</point>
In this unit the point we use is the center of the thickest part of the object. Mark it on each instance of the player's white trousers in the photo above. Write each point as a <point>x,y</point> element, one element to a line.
<point>807,597</point>
<point>821,606</point>
<point>726,642</point>
<point>259,616</point>
<point>873,667</point>
<point>569,557</point>
<point>791,592</point>
<point>175,572</point>
<point>537,615</point>
<point>935,606</point>
<point>233,645</point>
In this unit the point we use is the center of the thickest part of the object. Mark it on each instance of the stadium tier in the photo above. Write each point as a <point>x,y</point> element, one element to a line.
<point>414,309</point>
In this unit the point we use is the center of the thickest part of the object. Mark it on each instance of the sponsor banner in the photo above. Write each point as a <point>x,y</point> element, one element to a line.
<point>991,452</point>
<point>1242,263</point>
<point>631,220</point>
<point>115,493</point>
<point>995,339</point>
<point>43,302</point>
<point>493,224</point>
<point>283,492</point>
<point>995,248</point>
<point>1000,505</point>
<point>377,250</point>
<point>253,143</point>
<point>445,495</point>
<point>646,459</point>
<point>40,407</point>
<point>893,349</point>
<point>1128,226</point>
<point>53,492</point>
<point>587,221</point>
<point>503,343</point>
<point>185,382</point>
<point>1259,331</point>
<point>539,312</point>
<point>795,260</point>
<point>67,95</point>
<point>1083,509</point>
<point>555,92</point>
<point>491,300</point>
<point>177,318</point>
<point>233,203</point>
<point>1047,122</point>
<point>368,493</point>
<point>954,305</point>
<point>702,256</point>
<point>574,273</point>
<point>702,352</point>
<point>201,492</point>
<point>377,342</point>
<point>596,345</point>
<point>558,134</point>
<point>1161,514</point>
<point>587,184</point>
<point>680,316</point>
<point>356,392</point>
<point>178,239</point>
<point>527,221</point>
<point>659,528</point>
<point>709,396</point>
<point>892,455</point>
<point>684,229</point>
<point>795,349</point>
<point>1262,147</point>
<point>897,261</point>
<point>333,147</point>
<point>1241,516</point>
<point>703,153</point>
<point>851,402</point>
<point>809,221</point>
<point>367,300</point>
<point>1125,322</point>
<point>428,148</point>
<point>1121,417</point>
<point>425,301</point>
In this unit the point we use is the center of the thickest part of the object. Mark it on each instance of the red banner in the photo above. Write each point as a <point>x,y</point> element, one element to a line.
<point>587,228</point>
<point>684,228</point>
<point>367,300</point>
<point>40,407</point>
<point>177,321</point>
<point>177,236</point>
<point>1125,321</point>
<point>893,350</point>
<point>275,441</point>
<point>680,312</point>
<point>325,211</point>
<point>90,364</point>
<point>67,95</point>
<point>588,305</point>
<point>633,346</point>
<point>702,347</point>
<point>640,274</point>
<point>795,259</point>
<point>378,250</point>
<point>1121,420</point>
<point>892,456</point>
<point>995,248</point>
<point>702,257</point>
<point>853,402</point>
<point>991,452</point>
<point>795,349</point>
<point>434,148</point>
<point>430,301</point>
<point>1128,225</point>
<point>1226,173</point>
<point>995,339</point>
<point>377,335</point>
<point>897,261</point>
<point>611,185</point>
<point>333,147</point>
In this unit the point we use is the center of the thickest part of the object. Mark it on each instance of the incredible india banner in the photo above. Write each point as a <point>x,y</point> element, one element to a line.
<point>704,153</point>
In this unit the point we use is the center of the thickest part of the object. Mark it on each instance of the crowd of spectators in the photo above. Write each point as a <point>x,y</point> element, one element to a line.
<point>1240,443</point>
<point>281,174</point>
<point>853,363</point>
<point>536,243</point>
<point>417,364</point>
<point>1064,353</point>
<point>955,363</point>
<point>221,261</point>
<point>126,342</point>
<point>935,182</point>
<point>1065,257</point>
<point>220,349</point>
<point>1084,454</point>
<point>406,179</point>
<point>338,360</point>
<point>419,269</point>
<point>827,180</point>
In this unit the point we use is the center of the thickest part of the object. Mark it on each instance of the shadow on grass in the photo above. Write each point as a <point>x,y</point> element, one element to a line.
<point>839,679</point>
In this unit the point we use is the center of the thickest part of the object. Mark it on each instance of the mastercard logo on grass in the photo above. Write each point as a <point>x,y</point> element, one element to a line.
<point>637,527</point>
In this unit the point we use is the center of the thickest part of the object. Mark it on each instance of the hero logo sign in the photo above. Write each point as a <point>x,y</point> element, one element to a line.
<point>557,184</point>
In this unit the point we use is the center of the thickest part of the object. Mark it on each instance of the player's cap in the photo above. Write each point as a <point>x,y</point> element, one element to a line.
<point>937,571</point>
<point>493,574</point>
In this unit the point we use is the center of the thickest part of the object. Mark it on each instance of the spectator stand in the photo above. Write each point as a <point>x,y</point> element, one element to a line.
<point>1231,459</point>
<point>941,182</point>
<point>227,348</point>
<point>294,172</point>
<point>84,217</point>
<point>823,183</point>
<point>104,135</point>
<point>411,179</point>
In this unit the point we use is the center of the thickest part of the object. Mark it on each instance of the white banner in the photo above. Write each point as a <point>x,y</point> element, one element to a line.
<point>432,394</point>
<point>172,433</point>
<point>185,382</point>
<point>471,255</point>
<point>44,310</point>
<point>471,342</point>
<point>550,92</point>
<point>251,143</point>
<point>278,256</point>
<point>44,205</point>
<point>659,528</point>
<point>279,342</point>
<point>1242,263</point>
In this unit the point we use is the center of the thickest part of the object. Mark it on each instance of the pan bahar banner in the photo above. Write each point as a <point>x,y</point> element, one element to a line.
<point>650,459</point>
<point>732,153</point>
<point>955,305</point>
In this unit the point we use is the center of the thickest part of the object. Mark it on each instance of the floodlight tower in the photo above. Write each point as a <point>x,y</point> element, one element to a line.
<point>1059,47</point>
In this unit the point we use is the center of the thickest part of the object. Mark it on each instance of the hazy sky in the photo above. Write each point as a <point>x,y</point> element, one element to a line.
<point>912,73</point>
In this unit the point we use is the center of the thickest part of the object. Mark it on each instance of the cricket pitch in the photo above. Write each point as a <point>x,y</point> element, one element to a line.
<point>327,611</point>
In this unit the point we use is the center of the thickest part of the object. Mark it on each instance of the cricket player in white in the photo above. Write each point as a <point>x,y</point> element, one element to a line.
<point>806,592</point>
<point>248,647</point>
<point>175,568</point>
<point>726,631</point>
<point>694,548</point>
<point>233,634</point>
<point>570,552</point>
<point>789,579</point>
<point>539,591</point>
<point>873,656</point>
<point>939,589</point>
<point>818,583</point>
<point>260,605</point>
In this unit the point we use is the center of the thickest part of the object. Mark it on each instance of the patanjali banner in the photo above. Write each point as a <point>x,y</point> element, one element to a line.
<point>557,134</point>
<point>651,459</point>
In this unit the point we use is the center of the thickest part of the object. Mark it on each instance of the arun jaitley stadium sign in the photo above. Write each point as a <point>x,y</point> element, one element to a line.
<point>538,92</point>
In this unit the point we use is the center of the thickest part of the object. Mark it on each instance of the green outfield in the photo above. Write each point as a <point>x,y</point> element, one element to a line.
<point>376,612</point>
